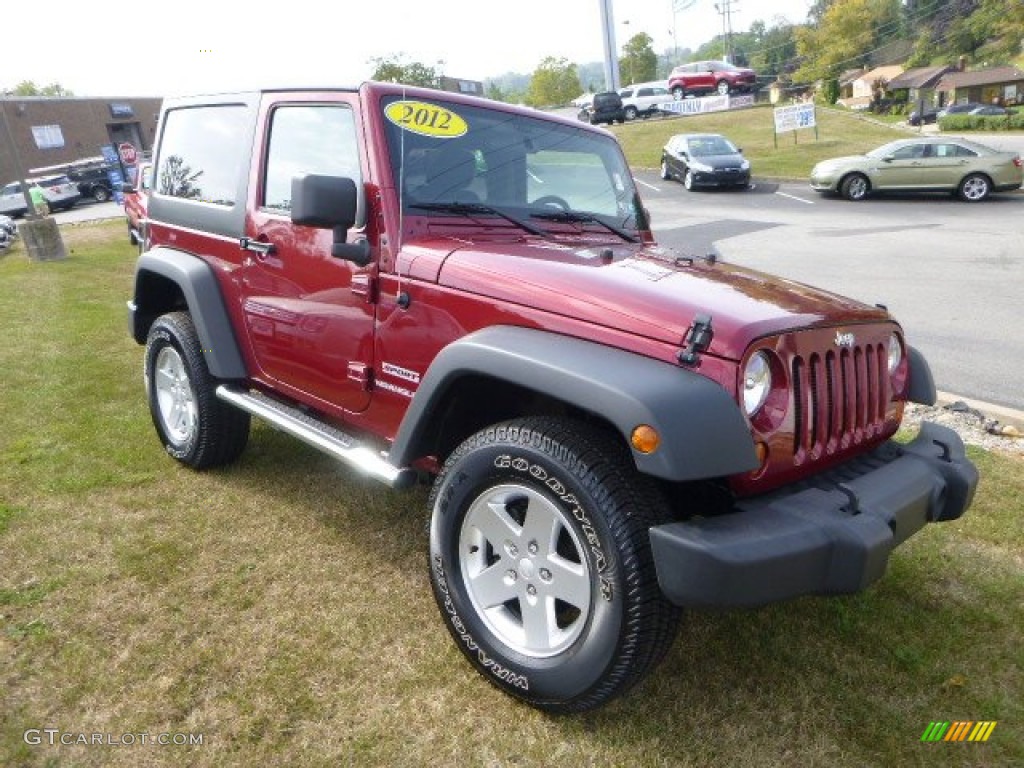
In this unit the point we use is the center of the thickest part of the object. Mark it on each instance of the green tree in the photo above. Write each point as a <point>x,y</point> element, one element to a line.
<point>554,82</point>
<point>29,88</point>
<point>393,69</point>
<point>639,62</point>
<point>846,34</point>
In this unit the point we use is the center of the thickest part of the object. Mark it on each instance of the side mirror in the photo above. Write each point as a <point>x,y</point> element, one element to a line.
<point>330,202</point>
<point>888,159</point>
<point>128,189</point>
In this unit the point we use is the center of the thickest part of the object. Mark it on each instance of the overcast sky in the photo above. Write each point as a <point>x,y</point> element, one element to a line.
<point>172,47</point>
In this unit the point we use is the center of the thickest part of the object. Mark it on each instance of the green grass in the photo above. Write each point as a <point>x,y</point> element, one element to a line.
<point>838,133</point>
<point>281,607</point>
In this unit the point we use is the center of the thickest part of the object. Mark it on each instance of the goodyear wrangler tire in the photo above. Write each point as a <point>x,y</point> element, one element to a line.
<point>195,427</point>
<point>541,565</point>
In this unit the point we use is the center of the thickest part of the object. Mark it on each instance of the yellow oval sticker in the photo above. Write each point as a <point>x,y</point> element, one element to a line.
<point>426,119</point>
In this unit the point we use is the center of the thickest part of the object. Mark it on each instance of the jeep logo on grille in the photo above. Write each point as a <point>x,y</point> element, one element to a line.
<point>845,340</point>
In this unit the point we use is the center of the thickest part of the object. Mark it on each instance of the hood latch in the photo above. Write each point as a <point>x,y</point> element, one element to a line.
<point>698,340</point>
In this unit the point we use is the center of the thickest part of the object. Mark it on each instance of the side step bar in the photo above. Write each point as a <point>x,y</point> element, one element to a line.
<point>321,436</point>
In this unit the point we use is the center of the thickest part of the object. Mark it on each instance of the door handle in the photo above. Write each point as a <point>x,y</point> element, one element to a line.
<point>257,246</point>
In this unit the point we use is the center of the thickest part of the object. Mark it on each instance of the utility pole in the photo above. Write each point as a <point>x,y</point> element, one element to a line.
<point>724,8</point>
<point>611,61</point>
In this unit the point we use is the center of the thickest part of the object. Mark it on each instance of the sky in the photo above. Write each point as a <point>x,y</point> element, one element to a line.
<point>180,47</point>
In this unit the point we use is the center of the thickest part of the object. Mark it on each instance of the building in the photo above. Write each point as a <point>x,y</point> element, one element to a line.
<point>917,84</point>
<point>1004,85</point>
<point>861,88</point>
<point>41,132</point>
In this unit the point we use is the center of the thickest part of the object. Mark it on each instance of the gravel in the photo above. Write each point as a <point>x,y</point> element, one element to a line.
<point>973,426</point>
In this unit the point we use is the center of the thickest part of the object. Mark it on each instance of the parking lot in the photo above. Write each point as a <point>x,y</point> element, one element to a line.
<point>949,270</point>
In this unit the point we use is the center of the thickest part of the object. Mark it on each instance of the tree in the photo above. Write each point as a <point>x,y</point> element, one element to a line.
<point>639,62</point>
<point>29,88</point>
<point>392,69</point>
<point>554,82</point>
<point>847,33</point>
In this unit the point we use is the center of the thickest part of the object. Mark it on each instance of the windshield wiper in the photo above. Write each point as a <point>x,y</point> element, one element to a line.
<point>580,217</point>
<point>469,209</point>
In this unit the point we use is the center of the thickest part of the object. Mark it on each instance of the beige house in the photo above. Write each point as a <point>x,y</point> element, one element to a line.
<point>862,87</point>
<point>1004,85</point>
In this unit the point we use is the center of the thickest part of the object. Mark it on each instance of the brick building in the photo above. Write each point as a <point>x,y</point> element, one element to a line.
<point>38,132</point>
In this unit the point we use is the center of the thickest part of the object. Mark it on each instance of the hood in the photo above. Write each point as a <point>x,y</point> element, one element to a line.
<point>839,162</point>
<point>646,291</point>
<point>720,162</point>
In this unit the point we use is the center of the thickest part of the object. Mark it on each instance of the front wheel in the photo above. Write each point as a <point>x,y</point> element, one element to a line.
<point>974,188</point>
<point>666,174</point>
<point>688,181</point>
<point>194,426</point>
<point>722,87</point>
<point>855,187</point>
<point>678,93</point>
<point>541,566</point>
<point>631,113</point>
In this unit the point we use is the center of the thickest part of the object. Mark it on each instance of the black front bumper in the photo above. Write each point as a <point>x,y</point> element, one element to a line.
<point>833,535</point>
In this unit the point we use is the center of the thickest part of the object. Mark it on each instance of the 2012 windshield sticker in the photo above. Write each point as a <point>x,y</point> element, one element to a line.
<point>426,119</point>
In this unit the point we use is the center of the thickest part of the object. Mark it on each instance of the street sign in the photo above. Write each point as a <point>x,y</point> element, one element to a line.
<point>128,153</point>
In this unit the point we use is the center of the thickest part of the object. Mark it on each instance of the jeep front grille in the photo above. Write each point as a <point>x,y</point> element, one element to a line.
<point>839,399</point>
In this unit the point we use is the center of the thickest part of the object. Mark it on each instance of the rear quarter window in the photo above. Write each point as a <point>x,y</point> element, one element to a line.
<point>201,153</point>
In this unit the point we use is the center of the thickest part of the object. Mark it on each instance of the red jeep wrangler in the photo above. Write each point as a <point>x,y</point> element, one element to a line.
<point>426,285</point>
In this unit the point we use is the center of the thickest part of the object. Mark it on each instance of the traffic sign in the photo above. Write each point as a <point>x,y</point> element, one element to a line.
<point>128,153</point>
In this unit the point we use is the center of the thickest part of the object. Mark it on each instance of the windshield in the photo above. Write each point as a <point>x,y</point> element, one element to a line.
<point>504,164</point>
<point>708,146</point>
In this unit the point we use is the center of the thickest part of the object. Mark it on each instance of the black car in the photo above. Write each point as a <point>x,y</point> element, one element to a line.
<point>92,182</point>
<point>927,117</point>
<point>605,108</point>
<point>704,160</point>
<point>955,109</point>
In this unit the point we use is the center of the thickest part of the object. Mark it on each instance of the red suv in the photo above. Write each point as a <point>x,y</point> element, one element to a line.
<point>700,77</point>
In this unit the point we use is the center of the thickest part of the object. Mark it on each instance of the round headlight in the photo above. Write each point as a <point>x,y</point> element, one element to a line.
<point>757,382</point>
<point>895,353</point>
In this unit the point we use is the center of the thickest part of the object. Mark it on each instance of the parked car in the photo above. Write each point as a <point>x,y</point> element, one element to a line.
<point>60,192</point>
<point>8,226</point>
<point>605,108</point>
<point>136,203</point>
<point>92,182</point>
<point>700,77</point>
<point>583,100</point>
<point>992,110</point>
<point>955,109</point>
<point>927,117</point>
<point>12,201</point>
<point>642,99</point>
<point>963,167</point>
<point>704,160</point>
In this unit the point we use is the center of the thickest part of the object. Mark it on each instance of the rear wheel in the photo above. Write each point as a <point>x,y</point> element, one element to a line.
<point>855,186</point>
<point>541,565</point>
<point>194,426</point>
<point>974,188</point>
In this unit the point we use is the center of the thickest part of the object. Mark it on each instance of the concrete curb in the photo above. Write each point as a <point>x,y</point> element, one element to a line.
<point>1004,414</point>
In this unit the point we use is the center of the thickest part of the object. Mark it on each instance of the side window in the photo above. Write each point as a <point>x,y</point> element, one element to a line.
<point>308,138</point>
<point>909,153</point>
<point>201,155</point>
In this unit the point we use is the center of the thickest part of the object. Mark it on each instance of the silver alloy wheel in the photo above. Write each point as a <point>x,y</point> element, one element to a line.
<point>688,179</point>
<point>974,188</point>
<point>175,399</point>
<point>857,187</point>
<point>525,570</point>
<point>664,170</point>
<point>723,88</point>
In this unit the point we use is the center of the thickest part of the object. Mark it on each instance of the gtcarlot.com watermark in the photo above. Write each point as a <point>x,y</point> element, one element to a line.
<point>55,737</point>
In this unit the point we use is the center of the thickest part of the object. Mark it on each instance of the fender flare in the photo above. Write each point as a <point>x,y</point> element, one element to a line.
<point>922,384</point>
<point>703,433</point>
<point>198,284</point>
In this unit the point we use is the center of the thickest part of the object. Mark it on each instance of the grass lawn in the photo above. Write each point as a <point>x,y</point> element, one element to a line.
<point>838,133</point>
<point>280,608</point>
